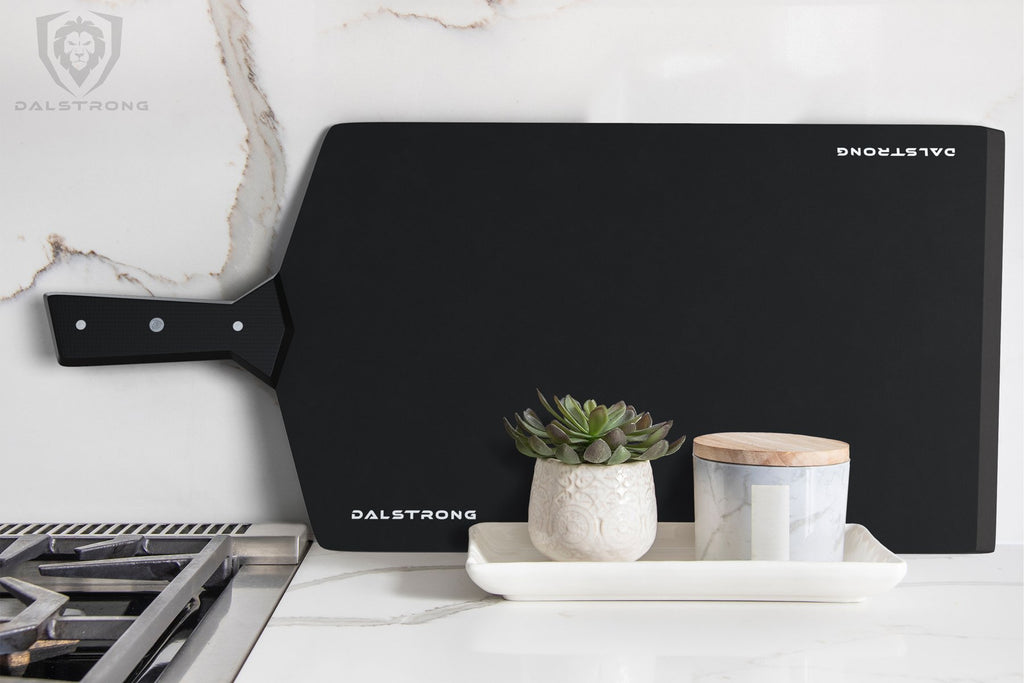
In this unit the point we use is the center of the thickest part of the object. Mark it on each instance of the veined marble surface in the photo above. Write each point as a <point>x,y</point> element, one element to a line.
<point>417,617</point>
<point>194,194</point>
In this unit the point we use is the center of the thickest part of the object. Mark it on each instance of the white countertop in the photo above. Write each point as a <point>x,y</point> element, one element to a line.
<point>418,617</point>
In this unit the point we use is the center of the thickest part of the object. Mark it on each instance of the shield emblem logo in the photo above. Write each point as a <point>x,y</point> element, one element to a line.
<point>79,49</point>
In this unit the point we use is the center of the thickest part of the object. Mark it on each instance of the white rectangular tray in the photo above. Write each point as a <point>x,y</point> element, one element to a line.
<point>502,560</point>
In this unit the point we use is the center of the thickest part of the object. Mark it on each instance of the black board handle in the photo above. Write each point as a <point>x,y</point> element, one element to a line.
<point>111,330</point>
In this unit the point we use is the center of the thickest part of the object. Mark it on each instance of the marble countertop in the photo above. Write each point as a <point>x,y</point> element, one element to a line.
<point>418,617</point>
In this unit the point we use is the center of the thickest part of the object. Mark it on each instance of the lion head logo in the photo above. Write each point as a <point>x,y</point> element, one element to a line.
<point>79,45</point>
<point>79,52</point>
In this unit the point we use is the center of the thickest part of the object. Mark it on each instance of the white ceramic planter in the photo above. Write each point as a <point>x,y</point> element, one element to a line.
<point>601,513</point>
<point>776,503</point>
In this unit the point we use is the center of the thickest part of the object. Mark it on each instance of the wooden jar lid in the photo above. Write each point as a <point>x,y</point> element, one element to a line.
<point>774,450</point>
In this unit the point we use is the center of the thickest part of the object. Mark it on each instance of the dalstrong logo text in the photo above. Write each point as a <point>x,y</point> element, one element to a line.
<point>414,514</point>
<point>895,151</point>
<point>79,51</point>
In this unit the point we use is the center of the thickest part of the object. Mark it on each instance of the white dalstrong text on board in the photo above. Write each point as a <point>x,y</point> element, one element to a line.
<point>895,151</point>
<point>414,514</point>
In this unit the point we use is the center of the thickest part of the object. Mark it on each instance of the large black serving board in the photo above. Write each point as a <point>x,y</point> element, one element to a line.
<point>838,281</point>
<point>727,277</point>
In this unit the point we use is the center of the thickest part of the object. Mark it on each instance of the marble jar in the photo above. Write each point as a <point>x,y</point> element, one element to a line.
<point>769,496</point>
<point>597,513</point>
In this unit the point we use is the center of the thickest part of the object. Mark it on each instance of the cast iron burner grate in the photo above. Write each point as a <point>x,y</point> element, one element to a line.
<point>125,602</point>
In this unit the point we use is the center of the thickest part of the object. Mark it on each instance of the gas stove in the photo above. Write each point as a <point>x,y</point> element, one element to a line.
<point>139,602</point>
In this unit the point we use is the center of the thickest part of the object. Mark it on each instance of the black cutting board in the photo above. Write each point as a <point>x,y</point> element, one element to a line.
<point>838,281</point>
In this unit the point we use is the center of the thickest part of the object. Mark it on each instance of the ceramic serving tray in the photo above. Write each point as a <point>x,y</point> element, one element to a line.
<point>502,560</point>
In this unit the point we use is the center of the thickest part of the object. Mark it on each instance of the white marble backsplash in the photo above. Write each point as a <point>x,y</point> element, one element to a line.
<point>194,195</point>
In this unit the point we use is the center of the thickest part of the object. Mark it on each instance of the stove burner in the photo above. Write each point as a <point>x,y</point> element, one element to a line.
<point>25,548</point>
<point>22,631</point>
<point>119,546</point>
<point>122,607</point>
<point>155,568</point>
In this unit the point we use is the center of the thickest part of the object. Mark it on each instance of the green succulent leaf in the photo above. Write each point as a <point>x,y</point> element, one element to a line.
<point>628,427</point>
<point>541,448</point>
<point>556,434</point>
<point>658,450</point>
<point>567,413</point>
<point>547,406</point>
<point>615,414</point>
<point>525,450</point>
<point>644,433</point>
<point>597,419</point>
<point>675,445</point>
<point>636,438</point>
<point>513,432</point>
<point>589,405</point>
<point>567,455</point>
<point>574,434</point>
<point>615,438</point>
<point>657,434</point>
<point>530,429</point>
<point>509,428</point>
<point>597,452</point>
<point>619,456</point>
<point>576,410</point>
<point>531,419</point>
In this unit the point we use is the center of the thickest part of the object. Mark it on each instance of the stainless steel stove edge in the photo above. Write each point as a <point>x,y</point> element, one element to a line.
<point>271,543</point>
<point>260,543</point>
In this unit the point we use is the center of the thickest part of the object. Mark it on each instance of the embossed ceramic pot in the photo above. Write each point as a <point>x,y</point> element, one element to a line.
<point>597,513</point>
<point>765,496</point>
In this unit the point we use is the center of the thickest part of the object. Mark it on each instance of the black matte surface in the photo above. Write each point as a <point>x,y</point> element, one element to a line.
<point>726,277</point>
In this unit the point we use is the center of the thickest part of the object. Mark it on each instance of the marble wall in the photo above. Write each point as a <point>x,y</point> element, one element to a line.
<point>187,179</point>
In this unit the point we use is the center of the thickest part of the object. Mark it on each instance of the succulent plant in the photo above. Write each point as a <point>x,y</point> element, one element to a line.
<point>588,433</point>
